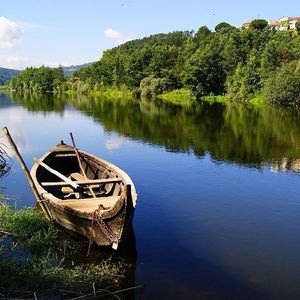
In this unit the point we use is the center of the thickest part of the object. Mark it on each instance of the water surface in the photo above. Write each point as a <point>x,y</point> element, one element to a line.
<point>218,213</point>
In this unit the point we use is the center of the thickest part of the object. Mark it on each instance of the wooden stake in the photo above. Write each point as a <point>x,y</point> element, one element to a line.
<point>25,170</point>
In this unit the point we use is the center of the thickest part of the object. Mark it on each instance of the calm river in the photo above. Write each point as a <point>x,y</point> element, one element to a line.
<point>218,213</point>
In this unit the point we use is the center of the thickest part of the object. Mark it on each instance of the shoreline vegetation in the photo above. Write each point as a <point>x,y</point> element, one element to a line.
<point>256,65</point>
<point>37,260</point>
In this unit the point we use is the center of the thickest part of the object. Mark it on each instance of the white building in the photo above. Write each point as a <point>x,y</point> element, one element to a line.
<point>286,23</point>
<point>274,24</point>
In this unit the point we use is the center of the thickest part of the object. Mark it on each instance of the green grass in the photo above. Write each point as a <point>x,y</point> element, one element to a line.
<point>44,273</point>
<point>107,92</point>
<point>35,257</point>
<point>213,99</point>
<point>185,96</point>
<point>113,93</point>
<point>29,226</point>
<point>181,97</point>
<point>258,101</point>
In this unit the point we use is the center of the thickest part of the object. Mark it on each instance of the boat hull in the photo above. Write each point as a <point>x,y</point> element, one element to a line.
<point>104,219</point>
<point>87,226</point>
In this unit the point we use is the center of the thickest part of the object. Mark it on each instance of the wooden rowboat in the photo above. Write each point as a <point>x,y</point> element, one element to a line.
<point>85,194</point>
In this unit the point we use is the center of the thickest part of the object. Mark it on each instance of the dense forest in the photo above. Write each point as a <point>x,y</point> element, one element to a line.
<point>237,63</point>
<point>39,80</point>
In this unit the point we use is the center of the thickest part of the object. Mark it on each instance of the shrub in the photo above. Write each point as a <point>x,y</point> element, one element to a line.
<point>151,86</point>
<point>284,87</point>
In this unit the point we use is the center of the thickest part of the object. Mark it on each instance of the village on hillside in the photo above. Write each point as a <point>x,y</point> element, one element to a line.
<point>284,23</point>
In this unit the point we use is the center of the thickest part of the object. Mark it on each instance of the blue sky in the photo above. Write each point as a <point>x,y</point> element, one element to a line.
<point>36,32</point>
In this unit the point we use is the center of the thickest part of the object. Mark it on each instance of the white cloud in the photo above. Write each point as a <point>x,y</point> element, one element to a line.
<point>116,35</point>
<point>10,33</point>
<point>116,142</point>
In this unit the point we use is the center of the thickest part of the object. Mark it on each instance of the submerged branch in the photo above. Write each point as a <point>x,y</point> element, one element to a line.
<point>107,292</point>
<point>3,232</point>
<point>67,294</point>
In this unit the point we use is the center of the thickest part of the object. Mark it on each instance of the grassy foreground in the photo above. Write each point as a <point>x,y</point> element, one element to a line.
<point>34,258</point>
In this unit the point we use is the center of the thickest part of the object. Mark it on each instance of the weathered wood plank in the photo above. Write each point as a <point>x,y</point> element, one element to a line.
<point>83,182</point>
<point>78,177</point>
<point>65,155</point>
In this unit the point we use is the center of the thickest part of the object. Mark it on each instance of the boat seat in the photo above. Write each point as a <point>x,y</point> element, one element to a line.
<point>77,176</point>
<point>91,204</point>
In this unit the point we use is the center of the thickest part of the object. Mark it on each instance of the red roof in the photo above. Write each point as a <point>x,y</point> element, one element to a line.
<point>294,18</point>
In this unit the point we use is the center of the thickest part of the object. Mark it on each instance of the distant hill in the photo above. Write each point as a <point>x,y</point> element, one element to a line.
<point>68,71</point>
<point>6,74</point>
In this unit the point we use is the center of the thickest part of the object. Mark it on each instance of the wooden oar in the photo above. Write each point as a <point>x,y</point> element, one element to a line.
<point>26,172</point>
<point>80,164</point>
<point>58,174</point>
<point>84,182</point>
<point>106,230</point>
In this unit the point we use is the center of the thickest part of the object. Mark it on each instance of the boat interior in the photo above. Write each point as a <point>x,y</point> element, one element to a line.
<point>60,174</point>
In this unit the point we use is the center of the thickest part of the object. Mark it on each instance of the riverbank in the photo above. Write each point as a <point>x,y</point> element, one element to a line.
<point>36,257</point>
<point>185,97</point>
<point>181,97</point>
<point>107,92</point>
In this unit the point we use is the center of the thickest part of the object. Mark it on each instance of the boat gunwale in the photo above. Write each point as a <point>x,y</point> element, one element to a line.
<point>106,164</point>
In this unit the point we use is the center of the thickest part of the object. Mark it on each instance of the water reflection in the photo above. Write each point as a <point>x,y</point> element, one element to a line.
<point>37,103</point>
<point>209,222</point>
<point>239,134</point>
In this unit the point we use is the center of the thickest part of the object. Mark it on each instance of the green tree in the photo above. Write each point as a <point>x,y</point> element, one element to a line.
<point>204,73</point>
<point>151,86</point>
<point>258,24</point>
<point>201,35</point>
<point>284,87</point>
<point>39,80</point>
<point>231,53</point>
<point>224,27</point>
<point>245,81</point>
<point>298,26</point>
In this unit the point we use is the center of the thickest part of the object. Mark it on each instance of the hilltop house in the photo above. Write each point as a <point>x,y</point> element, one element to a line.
<point>274,24</point>
<point>284,23</point>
